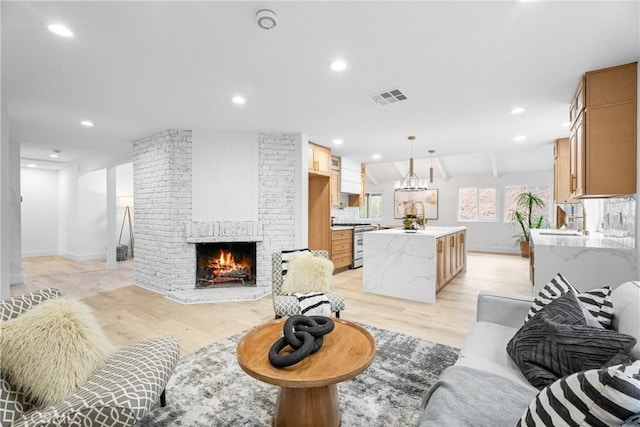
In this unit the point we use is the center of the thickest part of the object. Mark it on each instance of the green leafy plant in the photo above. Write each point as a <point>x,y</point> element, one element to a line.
<point>522,216</point>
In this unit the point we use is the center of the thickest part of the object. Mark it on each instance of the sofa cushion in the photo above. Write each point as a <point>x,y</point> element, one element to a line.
<point>13,307</point>
<point>597,301</point>
<point>122,392</point>
<point>52,349</point>
<point>13,403</point>
<point>607,397</point>
<point>626,319</point>
<point>557,342</point>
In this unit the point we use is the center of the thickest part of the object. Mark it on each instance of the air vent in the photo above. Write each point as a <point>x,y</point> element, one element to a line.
<point>388,97</point>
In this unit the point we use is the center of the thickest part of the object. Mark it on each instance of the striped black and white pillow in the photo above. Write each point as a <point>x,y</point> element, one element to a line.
<point>597,301</point>
<point>598,397</point>
<point>287,254</point>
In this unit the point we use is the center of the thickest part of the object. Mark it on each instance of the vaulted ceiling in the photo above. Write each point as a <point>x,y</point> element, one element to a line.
<point>138,67</point>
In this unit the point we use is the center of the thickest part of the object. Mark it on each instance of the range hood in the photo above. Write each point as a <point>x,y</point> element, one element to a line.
<point>349,176</point>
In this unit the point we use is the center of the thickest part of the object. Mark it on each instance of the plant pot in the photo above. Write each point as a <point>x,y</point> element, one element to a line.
<point>524,249</point>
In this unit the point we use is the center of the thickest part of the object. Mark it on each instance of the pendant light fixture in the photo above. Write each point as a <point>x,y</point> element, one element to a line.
<point>411,182</point>
<point>431,168</point>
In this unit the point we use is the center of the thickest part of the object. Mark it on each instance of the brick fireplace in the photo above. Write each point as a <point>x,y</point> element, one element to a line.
<point>166,236</point>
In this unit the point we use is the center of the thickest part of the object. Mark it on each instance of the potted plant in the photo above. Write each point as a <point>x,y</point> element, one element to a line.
<point>523,219</point>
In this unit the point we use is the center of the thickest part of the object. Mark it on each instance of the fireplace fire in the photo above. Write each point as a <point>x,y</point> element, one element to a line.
<point>225,264</point>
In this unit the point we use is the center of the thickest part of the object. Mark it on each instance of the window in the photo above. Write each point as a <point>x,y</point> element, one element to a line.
<point>511,193</point>
<point>477,204</point>
<point>372,208</point>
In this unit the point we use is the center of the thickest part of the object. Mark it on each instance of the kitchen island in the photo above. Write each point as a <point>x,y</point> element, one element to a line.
<point>587,262</point>
<point>413,266</point>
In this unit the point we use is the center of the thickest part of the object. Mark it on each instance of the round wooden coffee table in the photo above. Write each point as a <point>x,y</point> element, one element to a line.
<point>308,393</point>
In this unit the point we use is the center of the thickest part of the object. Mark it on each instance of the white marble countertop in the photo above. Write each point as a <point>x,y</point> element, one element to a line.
<point>594,240</point>
<point>341,227</point>
<point>430,231</point>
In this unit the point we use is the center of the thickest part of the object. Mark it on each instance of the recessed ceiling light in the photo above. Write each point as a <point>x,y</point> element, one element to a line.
<point>338,65</point>
<point>377,156</point>
<point>238,100</point>
<point>565,124</point>
<point>31,165</point>
<point>337,141</point>
<point>87,123</point>
<point>517,110</point>
<point>520,138</point>
<point>60,30</point>
<point>53,155</point>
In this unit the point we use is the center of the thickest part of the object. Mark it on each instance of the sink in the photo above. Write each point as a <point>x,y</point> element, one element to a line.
<point>559,232</point>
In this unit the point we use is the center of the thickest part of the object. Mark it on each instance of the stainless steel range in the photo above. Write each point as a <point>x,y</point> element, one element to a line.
<point>358,238</point>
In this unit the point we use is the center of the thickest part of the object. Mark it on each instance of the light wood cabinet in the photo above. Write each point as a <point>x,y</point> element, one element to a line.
<point>562,171</point>
<point>334,183</point>
<point>603,135</point>
<point>319,230</point>
<point>341,248</point>
<point>357,200</point>
<point>441,257</point>
<point>450,257</point>
<point>319,158</point>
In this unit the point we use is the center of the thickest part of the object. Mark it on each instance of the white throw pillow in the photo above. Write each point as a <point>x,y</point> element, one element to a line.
<point>52,349</point>
<point>307,273</point>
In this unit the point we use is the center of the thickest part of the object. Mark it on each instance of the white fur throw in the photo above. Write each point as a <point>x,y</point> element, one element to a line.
<point>52,349</point>
<point>307,273</point>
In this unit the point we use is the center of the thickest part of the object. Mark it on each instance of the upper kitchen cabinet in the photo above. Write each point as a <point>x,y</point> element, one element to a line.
<point>562,172</point>
<point>319,159</point>
<point>603,135</point>
<point>334,181</point>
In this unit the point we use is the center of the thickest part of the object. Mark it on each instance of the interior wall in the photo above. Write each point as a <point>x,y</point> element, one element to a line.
<point>481,236</point>
<point>92,215</point>
<point>15,267</point>
<point>5,225</point>
<point>39,189</point>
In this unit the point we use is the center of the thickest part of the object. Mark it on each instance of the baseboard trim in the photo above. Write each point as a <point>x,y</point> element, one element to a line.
<point>82,257</point>
<point>16,278</point>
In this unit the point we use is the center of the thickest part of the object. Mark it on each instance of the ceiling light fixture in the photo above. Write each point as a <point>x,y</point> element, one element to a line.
<point>55,154</point>
<point>431,167</point>
<point>377,156</point>
<point>31,165</point>
<point>411,182</point>
<point>565,124</point>
<point>338,65</point>
<point>238,100</point>
<point>517,110</point>
<point>266,19</point>
<point>520,138</point>
<point>337,141</point>
<point>60,30</point>
<point>87,123</point>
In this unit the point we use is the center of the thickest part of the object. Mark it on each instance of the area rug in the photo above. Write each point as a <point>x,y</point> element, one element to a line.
<point>209,389</point>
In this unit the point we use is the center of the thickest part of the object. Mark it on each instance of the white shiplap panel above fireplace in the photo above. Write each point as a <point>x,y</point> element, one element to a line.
<point>225,176</point>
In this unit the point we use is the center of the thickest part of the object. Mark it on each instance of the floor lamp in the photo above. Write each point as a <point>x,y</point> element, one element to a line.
<point>126,203</point>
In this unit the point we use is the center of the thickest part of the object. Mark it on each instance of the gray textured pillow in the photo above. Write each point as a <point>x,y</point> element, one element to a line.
<point>557,342</point>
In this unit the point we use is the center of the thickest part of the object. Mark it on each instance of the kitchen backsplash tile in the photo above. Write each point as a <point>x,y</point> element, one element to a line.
<point>619,220</point>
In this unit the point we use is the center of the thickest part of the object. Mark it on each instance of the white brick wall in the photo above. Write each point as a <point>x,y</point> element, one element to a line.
<point>165,235</point>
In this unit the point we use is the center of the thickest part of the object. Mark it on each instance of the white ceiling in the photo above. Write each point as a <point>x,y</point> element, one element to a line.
<point>136,68</point>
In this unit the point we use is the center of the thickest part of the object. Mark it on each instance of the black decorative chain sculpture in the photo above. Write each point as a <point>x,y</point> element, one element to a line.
<point>304,334</point>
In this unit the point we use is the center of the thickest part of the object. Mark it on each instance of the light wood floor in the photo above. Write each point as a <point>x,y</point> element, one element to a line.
<point>129,313</point>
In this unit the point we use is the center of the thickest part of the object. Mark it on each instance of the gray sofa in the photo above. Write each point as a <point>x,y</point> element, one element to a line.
<point>485,387</point>
<point>118,395</point>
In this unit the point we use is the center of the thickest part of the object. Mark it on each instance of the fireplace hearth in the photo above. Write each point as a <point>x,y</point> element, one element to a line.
<point>225,264</point>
